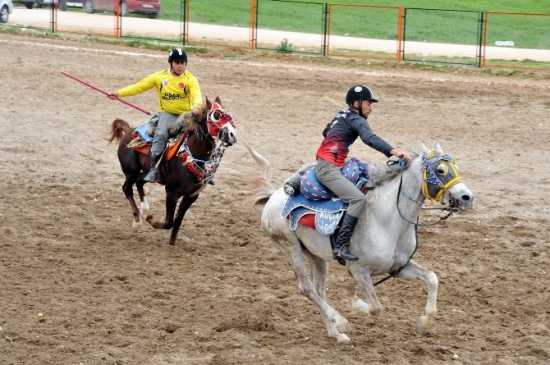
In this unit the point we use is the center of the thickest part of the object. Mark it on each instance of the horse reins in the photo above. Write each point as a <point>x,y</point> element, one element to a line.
<point>402,164</point>
<point>194,164</point>
<point>430,179</point>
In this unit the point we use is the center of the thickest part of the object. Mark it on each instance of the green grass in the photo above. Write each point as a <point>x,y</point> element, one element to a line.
<point>458,26</point>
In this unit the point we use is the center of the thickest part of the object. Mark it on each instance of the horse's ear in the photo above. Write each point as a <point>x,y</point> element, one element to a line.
<point>208,103</point>
<point>437,147</point>
<point>425,150</point>
<point>218,100</point>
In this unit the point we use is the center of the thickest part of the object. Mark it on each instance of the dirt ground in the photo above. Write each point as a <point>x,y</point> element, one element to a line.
<point>79,285</point>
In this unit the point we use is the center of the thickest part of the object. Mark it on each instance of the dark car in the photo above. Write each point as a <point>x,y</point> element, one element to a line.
<point>29,4</point>
<point>149,7</point>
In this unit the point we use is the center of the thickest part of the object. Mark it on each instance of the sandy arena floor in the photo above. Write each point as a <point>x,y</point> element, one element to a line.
<point>80,286</point>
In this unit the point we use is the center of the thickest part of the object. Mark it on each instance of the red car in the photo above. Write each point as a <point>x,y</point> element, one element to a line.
<point>149,7</point>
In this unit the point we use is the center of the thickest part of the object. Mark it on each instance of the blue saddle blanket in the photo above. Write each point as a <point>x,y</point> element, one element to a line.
<point>327,212</point>
<point>354,170</point>
<point>141,130</point>
<point>315,198</point>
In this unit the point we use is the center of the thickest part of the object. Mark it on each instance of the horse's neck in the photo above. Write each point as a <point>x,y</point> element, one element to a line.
<point>405,188</point>
<point>200,145</point>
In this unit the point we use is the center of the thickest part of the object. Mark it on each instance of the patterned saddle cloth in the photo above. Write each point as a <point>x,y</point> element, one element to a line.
<point>142,132</point>
<point>142,137</point>
<point>316,206</point>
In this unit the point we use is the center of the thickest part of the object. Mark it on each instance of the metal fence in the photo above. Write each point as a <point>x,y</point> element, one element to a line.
<point>417,39</point>
<point>487,39</point>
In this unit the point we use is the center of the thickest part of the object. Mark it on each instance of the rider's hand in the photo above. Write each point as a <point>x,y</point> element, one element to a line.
<point>112,95</point>
<point>399,154</point>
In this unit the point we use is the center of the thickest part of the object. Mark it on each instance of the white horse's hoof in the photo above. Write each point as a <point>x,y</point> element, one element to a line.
<point>361,306</point>
<point>343,326</point>
<point>422,325</point>
<point>342,338</point>
<point>136,224</point>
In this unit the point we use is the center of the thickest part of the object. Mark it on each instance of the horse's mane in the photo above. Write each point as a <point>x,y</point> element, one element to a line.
<point>382,171</point>
<point>191,121</point>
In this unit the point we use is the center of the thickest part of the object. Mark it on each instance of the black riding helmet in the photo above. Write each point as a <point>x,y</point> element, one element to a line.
<point>177,54</point>
<point>359,92</point>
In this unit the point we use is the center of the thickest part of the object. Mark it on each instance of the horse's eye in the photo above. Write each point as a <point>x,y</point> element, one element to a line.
<point>442,169</point>
<point>216,116</point>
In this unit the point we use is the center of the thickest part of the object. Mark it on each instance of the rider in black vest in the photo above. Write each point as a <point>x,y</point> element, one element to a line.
<point>340,133</point>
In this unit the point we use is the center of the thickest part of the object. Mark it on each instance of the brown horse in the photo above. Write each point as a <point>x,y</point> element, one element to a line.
<point>190,162</point>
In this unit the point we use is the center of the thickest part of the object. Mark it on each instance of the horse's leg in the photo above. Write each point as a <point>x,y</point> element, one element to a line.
<point>128,190</point>
<point>185,204</point>
<point>142,198</point>
<point>364,282</point>
<point>349,292</point>
<point>415,271</point>
<point>319,271</point>
<point>171,201</point>
<point>330,316</point>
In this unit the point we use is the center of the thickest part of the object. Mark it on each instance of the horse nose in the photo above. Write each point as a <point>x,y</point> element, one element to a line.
<point>232,137</point>
<point>467,200</point>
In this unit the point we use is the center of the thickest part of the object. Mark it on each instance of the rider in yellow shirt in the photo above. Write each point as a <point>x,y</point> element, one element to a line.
<point>178,92</point>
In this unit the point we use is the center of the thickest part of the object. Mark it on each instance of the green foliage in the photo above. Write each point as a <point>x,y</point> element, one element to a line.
<point>284,47</point>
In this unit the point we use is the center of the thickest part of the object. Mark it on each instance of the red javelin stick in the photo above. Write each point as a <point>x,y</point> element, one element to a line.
<point>105,92</point>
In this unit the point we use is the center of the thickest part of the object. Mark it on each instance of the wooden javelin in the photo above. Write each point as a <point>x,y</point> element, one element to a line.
<point>105,92</point>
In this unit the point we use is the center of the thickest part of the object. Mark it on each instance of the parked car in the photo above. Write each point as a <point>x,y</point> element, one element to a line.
<point>6,7</point>
<point>149,7</point>
<point>32,4</point>
<point>65,4</point>
<point>29,4</point>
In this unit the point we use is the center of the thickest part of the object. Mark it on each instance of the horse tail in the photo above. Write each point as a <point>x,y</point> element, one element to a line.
<point>260,179</point>
<point>119,128</point>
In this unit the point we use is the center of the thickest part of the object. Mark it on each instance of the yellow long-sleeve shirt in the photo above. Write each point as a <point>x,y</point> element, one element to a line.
<point>176,94</point>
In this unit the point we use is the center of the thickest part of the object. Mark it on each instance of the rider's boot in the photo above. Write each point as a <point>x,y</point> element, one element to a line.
<point>153,173</point>
<point>212,182</point>
<point>341,249</point>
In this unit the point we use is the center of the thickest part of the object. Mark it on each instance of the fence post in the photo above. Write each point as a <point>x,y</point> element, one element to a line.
<point>481,41</point>
<point>118,20</point>
<point>325,30</point>
<point>252,36</point>
<point>185,21</point>
<point>53,16</point>
<point>400,33</point>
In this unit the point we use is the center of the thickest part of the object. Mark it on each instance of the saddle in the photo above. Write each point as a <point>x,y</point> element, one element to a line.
<point>142,139</point>
<point>314,205</point>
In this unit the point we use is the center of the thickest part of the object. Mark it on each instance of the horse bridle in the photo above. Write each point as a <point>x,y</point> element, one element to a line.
<point>204,170</point>
<point>429,177</point>
<point>216,119</point>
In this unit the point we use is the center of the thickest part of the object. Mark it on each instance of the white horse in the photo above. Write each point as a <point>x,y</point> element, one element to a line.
<point>384,239</point>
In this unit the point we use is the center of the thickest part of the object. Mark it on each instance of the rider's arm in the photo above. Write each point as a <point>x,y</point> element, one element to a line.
<point>139,87</point>
<point>369,138</point>
<point>195,96</point>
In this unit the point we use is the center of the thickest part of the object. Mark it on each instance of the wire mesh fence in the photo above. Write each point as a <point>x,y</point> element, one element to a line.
<point>475,38</point>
